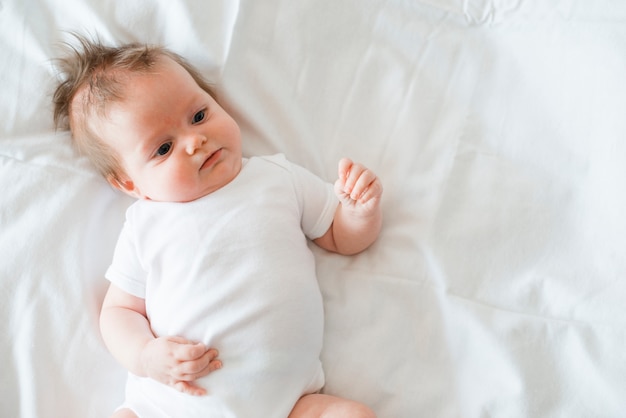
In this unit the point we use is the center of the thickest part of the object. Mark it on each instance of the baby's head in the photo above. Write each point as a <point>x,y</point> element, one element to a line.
<point>147,120</point>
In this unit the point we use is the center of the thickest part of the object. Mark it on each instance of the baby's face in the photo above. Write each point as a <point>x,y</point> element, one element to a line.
<point>175,142</point>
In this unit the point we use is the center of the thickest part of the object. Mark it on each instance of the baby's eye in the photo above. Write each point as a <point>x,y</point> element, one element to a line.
<point>164,149</point>
<point>198,117</point>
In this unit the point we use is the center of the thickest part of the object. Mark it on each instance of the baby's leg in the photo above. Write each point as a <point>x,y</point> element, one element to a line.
<point>316,406</point>
<point>124,413</point>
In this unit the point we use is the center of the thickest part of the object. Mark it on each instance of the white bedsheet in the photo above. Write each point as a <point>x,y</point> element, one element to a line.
<point>498,127</point>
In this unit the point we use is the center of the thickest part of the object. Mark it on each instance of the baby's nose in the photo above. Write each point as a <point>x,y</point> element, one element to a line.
<point>194,143</point>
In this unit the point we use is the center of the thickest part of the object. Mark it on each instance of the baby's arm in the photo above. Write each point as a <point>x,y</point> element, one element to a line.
<point>174,361</point>
<point>358,218</point>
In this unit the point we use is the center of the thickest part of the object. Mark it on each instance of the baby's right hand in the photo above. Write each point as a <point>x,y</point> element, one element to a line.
<point>178,362</point>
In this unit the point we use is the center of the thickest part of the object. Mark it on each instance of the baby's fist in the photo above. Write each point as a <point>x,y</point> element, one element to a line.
<point>357,186</point>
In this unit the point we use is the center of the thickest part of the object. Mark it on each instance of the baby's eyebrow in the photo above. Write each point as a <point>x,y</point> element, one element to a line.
<point>147,146</point>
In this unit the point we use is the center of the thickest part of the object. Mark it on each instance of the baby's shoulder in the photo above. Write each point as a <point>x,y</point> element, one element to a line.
<point>277,163</point>
<point>275,159</point>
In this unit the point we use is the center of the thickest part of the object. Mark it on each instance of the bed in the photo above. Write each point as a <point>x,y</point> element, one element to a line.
<point>497,287</point>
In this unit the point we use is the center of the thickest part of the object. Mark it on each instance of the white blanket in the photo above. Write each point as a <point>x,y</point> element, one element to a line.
<point>498,127</point>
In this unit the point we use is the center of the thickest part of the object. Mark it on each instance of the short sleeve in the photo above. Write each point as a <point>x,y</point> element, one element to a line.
<point>317,200</point>
<point>125,270</point>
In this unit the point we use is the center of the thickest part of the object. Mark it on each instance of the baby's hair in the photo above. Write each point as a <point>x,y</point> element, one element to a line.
<point>93,76</point>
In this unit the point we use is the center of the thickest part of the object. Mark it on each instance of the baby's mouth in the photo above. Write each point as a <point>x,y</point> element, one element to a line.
<point>212,159</point>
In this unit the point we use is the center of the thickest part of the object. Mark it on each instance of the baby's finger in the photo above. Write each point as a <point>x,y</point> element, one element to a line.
<point>184,351</point>
<point>189,388</point>
<point>343,197</point>
<point>192,369</point>
<point>210,368</point>
<point>344,168</point>
<point>362,184</point>
<point>374,190</point>
<point>353,176</point>
<point>179,340</point>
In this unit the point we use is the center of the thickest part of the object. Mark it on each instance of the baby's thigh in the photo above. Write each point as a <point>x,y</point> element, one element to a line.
<point>317,405</point>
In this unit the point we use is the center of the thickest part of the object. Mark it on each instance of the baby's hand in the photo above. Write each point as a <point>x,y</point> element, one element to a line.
<point>358,187</point>
<point>358,218</point>
<point>178,362</point>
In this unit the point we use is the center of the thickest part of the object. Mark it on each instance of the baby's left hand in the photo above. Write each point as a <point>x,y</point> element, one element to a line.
<point>358,187</point>
<point>358,218</point>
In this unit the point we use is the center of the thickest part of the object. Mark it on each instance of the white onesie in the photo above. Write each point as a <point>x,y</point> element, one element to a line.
<point>233,270</point>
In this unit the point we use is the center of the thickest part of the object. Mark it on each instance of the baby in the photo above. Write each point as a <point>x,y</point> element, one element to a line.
<point>213,254</point>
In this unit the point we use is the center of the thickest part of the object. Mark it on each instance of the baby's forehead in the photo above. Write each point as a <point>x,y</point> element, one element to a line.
<point>119,88</point>
<point>108,85</point>
<point>111,88</point>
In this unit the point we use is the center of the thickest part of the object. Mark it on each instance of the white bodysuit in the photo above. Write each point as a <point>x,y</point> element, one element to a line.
<point>233,270</point>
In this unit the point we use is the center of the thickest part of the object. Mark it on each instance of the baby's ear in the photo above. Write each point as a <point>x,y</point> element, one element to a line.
<point>125,185</point>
